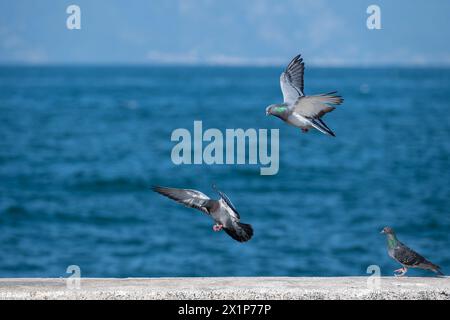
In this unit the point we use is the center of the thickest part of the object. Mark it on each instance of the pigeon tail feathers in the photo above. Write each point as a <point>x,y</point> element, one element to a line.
<point>241,232</point>
<point>439,272</point>
<point>435,268</point>
<point>321,126</point>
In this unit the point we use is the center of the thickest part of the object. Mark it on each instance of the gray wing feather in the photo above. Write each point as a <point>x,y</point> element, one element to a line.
<point>228,202</point>
<point>291,80</point>
<point>188,197</point>
<point>407,256</point>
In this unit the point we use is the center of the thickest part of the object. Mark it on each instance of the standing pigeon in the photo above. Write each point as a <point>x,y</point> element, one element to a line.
<point>221,211</point>
<point>298,110</point>
<point>406,256</point>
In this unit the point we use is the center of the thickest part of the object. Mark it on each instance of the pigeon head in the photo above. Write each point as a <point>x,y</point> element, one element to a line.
<point>276,109</point>
<point>387,230</point>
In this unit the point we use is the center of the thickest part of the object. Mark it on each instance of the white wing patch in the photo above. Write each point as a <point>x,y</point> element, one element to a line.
<point>290,94</point>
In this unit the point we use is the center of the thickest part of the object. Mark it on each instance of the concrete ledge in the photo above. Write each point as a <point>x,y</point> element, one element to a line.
<point>228,288</point>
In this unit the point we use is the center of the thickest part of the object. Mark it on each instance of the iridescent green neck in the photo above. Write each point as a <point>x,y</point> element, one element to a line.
<point>392,240</point>
<point>280,109</point>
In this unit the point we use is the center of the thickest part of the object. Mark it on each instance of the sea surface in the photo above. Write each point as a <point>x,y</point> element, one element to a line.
<point>80,148</point>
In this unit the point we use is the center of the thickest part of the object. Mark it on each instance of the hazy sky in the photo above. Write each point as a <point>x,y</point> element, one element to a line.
<point>326,32</point>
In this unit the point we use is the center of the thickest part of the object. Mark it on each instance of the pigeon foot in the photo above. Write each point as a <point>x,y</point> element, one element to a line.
<point>400,272</point>
<point>305,130</point>
<point>217,227</point>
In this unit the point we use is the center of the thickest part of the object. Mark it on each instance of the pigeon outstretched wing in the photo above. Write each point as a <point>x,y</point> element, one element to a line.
<point>291,80</point>
<point>188,197</point>
<point>316,106</point>
<point>228,203</point>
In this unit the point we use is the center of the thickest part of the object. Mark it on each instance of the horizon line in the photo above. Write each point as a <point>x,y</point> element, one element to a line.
<point>224,65</point>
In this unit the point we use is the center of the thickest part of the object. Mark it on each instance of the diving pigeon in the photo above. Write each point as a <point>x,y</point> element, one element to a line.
<point>221,211</point>
<point>406,256</point>
<point>298,110</point>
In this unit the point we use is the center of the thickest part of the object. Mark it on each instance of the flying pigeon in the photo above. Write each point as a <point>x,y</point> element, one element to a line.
<point>222,211</point>
<point>298,110</point>
<point>407,257</point>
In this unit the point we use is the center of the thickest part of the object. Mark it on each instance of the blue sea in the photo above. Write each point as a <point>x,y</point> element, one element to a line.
<point>80,148</point>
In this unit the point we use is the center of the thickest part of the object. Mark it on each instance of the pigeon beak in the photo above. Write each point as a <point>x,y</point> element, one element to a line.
<point>382,231</point>
<point>267,113</point>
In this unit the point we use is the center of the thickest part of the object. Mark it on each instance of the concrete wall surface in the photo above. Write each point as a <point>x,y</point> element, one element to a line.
<point>228,288</point>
